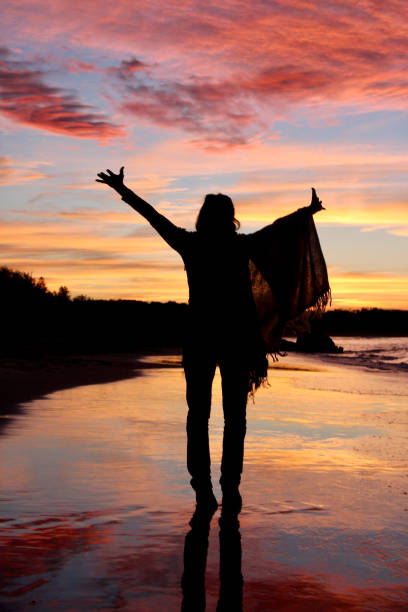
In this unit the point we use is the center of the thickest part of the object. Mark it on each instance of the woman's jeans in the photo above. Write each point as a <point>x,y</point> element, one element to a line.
<point>199,370</point>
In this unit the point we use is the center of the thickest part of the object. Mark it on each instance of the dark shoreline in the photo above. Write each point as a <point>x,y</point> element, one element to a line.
<point>24,379</point>
<point>27,378</point>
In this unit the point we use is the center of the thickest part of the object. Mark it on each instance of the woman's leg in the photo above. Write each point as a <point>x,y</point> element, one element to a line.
<point>234,375</point>
<point>199,371</point>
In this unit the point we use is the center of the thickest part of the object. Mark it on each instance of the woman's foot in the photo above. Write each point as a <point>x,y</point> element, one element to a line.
<point>206,501</point>
<point>231,500</point>
<point>231,507</point>
<point>206,506</point>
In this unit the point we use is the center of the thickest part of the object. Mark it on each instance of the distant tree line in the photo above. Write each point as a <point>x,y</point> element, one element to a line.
<point>366,322</point>
<point>37,320</point>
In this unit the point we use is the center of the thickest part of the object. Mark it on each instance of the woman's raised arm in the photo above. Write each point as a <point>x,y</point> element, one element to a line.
<point>115,181</point>
<point>316,203</point>
<point>172,234</point>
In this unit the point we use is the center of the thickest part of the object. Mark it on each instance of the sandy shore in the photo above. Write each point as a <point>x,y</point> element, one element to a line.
<point>95,500</point>
<point>24,379</point>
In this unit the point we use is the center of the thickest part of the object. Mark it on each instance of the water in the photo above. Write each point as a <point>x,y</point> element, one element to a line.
<point>378,353</point>
<point>95,501</point>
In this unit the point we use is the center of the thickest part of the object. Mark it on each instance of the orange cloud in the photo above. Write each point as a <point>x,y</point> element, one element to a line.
<point>89,258</point>
<point>17,173</point>
<point>357,290</point>
<point>80,250</point>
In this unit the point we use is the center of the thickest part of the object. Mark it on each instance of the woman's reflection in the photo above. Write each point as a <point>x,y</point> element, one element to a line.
<point>195,560</point>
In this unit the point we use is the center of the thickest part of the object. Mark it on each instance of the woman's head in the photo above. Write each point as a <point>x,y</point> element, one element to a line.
<point>217,215</point>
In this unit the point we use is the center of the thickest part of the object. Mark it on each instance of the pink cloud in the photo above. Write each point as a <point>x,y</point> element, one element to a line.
<point>128,67</point>
<point>220,113</point>
<point>225,73</point>
<point>216,113</point>
<point>76,66</point>
<point>28,100</point>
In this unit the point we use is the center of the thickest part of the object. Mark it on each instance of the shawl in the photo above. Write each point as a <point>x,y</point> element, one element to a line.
<point>287,272</point>
<point>288,277</point>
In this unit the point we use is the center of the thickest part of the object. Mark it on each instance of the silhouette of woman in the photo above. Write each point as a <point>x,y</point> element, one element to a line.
<point>242,290</point>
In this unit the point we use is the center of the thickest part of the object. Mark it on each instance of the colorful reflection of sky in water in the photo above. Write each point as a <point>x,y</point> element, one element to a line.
<point>95,499</point>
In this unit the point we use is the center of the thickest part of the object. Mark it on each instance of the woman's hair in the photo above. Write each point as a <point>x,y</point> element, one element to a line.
<point>217,215</point>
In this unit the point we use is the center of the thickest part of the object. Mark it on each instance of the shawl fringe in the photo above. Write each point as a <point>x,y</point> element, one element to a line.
<point>289,278</point>
<point>319,308</point>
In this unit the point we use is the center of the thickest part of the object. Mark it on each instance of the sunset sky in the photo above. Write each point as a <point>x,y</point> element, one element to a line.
<point>257,99</point>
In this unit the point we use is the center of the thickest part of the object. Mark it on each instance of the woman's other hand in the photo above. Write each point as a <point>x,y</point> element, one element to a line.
<point>113,180</point>
<point>316,203</point>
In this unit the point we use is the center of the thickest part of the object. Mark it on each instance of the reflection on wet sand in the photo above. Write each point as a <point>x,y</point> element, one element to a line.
<point>195,562</point>
<point>231,579</point>
<point>95,501</point>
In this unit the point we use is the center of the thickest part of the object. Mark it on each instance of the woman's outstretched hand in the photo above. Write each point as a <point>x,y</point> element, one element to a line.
<point>113,180</point>
<point>316,203</point>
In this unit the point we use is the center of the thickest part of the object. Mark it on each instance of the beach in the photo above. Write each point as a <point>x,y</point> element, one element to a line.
<point>95,498</point>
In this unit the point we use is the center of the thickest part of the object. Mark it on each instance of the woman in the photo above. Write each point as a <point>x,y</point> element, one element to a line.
<point>242,291</point>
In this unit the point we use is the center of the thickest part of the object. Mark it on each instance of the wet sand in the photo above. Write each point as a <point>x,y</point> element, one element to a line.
<point>95,501</point>
<point>23,379</point>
